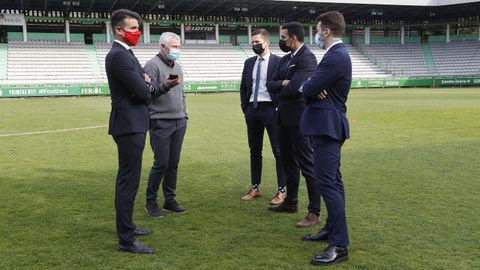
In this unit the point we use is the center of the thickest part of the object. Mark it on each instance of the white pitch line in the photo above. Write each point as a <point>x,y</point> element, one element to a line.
<point>50,131</point>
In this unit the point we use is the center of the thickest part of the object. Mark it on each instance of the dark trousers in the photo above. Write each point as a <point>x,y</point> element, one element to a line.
<point>296,155</point>
<point>166,138</point>
<point>327,152</point>
<point>130,150</point>
<point>259,119</point>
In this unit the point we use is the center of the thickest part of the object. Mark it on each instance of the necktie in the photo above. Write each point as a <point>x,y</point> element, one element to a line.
<point>257,83</point>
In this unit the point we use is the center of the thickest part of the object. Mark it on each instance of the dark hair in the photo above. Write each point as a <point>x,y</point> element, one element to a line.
<point>263,32</point>
<point>334,21</point>
<point>295,29</point>
<point>119,15</point>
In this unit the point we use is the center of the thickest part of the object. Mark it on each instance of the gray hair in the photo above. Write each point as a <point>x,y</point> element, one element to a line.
<point>167,36</point>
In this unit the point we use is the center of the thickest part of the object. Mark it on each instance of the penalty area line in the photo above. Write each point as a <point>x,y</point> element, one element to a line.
<point>50,131</point>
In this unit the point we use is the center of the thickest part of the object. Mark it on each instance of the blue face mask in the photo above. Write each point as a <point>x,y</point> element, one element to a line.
<point>320,44</point>
<point>174,54</point>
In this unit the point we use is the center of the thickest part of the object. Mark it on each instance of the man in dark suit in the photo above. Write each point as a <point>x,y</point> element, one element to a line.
<point>295,150</point>
<point>131,91</point>
<point>259,107</point>
<point>325,121</point>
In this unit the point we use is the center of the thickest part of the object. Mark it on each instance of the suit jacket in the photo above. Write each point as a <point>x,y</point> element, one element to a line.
<point>297,69</point>
<point>328,116</point>
<point>247,79</point>
<point>129,93</point>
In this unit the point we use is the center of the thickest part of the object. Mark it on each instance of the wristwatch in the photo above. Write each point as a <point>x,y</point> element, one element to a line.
<point>150,87</point>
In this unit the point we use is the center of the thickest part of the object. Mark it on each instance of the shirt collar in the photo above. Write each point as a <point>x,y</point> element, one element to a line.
<point>167,62</point>
<point>123,44</point>
<point>333,44</point>
<point>265,57</point>
<point>293,54</point>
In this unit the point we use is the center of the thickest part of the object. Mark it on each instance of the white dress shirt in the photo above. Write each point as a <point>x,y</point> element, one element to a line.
<point>333,44</point>
<point>123,44</point>
<point>293,54</point>
<point>263,95</point>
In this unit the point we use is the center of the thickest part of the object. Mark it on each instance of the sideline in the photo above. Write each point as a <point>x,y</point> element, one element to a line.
<point>50,131</point>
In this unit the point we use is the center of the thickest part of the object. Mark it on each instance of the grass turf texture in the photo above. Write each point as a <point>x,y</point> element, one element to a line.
<point>410,169</point>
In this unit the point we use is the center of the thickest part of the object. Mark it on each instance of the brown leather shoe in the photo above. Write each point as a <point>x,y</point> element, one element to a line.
<point>309,221</point>
<point>284,207</point>
<point>251,195</point>
<point>278,198</point>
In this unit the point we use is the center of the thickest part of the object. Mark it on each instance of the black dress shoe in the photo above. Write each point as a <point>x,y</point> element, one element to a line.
<point>135,247</point>
<point>331,255</point>
<point>173,206</point>
<point>284,207</point>
<point>142,231</point>
<point>321,235</point>
<point>152,209</point>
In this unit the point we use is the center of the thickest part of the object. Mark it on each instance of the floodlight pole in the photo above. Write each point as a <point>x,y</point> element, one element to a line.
<point>249,34</point>
<point>402,35</point>
<point>310,29</point>
<point>367,35</point>
<point>447,35</point>
<point>24,28</point>
<point>108,30</point>
<point>182,32</point>
<point>146,32</point>
<point>217,34</point>
<point>67,30</point>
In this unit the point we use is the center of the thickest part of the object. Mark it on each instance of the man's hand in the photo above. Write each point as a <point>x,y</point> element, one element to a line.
<point>322,95</point>
<point>171,83</point>
<point>285,82</point>
<point>147,78</point>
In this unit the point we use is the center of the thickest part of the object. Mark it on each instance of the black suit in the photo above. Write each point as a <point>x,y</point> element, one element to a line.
<point>260,118</point>
<point>296,151</point>
<point>129,121</point>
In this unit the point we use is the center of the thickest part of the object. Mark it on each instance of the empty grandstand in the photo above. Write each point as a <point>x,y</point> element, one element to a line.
<point>456,58</point>
<point>56,43</point>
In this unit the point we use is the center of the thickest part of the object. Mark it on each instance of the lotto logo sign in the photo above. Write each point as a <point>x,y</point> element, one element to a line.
<point>191,28</point>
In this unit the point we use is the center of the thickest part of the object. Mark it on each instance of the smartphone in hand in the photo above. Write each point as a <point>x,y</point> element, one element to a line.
<point>172,76</point>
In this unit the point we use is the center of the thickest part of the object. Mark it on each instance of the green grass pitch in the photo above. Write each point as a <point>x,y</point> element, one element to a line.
<point>411,171</point>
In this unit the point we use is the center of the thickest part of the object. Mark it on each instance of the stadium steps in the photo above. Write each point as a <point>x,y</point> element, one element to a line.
<point>370,57</point>
<point>427,52</point>
<point>3,64</point>
<point>92,56</point>
<point>240,51</point>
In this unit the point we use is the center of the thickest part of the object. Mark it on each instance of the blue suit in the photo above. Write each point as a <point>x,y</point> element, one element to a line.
<point>295,149</point>
<point>326,122</point>
<point>129,122</point>
<point>260,118</point>
<point>247,79</point>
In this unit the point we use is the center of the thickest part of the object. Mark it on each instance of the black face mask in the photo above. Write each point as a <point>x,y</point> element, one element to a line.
<point>258,49</point>
<point>283,46</point>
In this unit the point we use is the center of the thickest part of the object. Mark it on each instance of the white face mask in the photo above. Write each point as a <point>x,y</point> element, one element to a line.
<point>319,42</point>
<point>173,54</point>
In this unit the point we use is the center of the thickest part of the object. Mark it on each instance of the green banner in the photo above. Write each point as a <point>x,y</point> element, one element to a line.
<point>50,91</point>
<point>212,87</point>
<point>392,82</point>
<point>472,81</point>
<point>227,86</point>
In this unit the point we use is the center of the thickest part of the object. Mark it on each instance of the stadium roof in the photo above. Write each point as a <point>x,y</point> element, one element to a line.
<point>393,2</point>
<point>290,10</point>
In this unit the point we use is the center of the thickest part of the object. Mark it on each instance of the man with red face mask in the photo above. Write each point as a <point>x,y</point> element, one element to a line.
<point>131,90</point>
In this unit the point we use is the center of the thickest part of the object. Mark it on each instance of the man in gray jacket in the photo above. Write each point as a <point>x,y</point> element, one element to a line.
<point>168,123</point>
